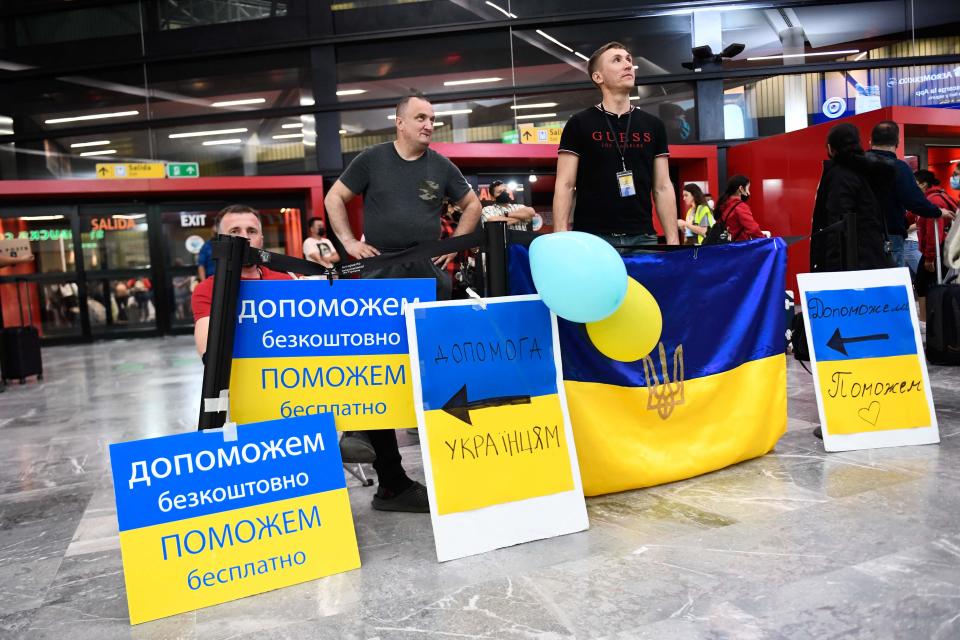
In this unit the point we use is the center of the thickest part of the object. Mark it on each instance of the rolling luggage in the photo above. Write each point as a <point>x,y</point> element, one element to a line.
<point>21,348</point>
<point>943,316</point>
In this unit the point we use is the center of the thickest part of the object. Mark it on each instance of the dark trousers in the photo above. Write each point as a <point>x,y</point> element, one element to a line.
<point>390,473</point>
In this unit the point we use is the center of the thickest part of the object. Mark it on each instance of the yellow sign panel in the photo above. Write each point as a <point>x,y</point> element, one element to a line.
<point>540,135</point>
<point>130,170</point>
<point>873,394</point>
<point>507,453</point>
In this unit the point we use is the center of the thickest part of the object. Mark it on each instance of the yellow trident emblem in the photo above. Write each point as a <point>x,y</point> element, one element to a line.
<point>666,395</point>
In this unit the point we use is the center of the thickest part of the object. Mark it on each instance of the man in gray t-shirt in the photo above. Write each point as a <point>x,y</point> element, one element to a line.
<point>403,184</point>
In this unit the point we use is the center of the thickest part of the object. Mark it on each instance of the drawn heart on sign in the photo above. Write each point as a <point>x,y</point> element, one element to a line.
<point>871,413</point>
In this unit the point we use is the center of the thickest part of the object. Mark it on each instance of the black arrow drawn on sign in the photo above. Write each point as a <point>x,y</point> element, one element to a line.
<point>102,171</point>
<point>460,408</point>
<point>526,135</point>
<point>839,343</point>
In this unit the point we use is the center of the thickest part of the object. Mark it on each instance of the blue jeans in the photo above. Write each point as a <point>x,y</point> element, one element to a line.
<point>625,243</point>
<point>896,250</point>
<point>911,254</point>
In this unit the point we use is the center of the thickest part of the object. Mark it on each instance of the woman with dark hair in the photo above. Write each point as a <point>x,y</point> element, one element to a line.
<point>735,213</point>
<point>699,216</point>
<point>845,188</point>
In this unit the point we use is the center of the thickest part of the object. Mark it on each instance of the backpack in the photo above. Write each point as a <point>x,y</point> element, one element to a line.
<point>718,233</point>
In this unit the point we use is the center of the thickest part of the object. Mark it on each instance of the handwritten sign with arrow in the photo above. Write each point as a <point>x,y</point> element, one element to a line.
<point>494,428</point>
<point>869,372</point>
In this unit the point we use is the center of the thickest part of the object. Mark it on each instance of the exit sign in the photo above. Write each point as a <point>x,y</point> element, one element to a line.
<point>183,170</point>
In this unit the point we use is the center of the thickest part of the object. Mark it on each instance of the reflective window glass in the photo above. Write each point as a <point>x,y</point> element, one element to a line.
<point>185,232</point>
<point>52,307</point>
<point>115,240</point>
<point>183,14</point>
<point>121,304</point>
<point>238,84</point>
<point>50,237</point>
<point>443,64</point>
<point>381,15</point>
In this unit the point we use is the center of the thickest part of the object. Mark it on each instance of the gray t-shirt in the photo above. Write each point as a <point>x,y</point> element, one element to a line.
<point>401,198</point>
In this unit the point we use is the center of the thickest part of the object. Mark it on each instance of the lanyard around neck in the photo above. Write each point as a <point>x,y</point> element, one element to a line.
<point>626,136</point>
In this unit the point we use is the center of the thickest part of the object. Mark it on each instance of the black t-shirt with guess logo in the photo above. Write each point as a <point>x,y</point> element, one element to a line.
<point>589,134</point>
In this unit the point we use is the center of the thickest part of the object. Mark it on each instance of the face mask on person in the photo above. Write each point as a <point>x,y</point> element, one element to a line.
<point>710,203</point>
<point>955,181</point>
<point>503,198</point>
<point>744,196</point>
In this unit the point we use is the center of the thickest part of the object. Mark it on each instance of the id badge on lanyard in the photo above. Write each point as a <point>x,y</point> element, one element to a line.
<point>625,180</point>
<point>625,177</point>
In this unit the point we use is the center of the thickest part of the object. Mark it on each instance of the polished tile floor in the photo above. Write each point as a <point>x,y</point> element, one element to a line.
<point>798,544</point>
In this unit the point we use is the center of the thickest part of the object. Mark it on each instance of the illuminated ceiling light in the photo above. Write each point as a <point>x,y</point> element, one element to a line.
<point>286,136</point>
<point>842,52</point>
<point>954,161</point>
<point>129,216</point>
<point>210,143</point>
<point>6,120</point>
<point>535,115</point>
<point>38,218</point>
<point>292,125</point>
<point>454,83</point>
<point>512,185</point>
<point>306,102</point>
<point>350,92</point>
<point>634,97</point>
<point>95,116</point>
<point>452,112</point>
<point>862,55</point>
<point>93,143</point>
<point>538,105</point>
<point>582,57</point>
<point>554,40</point>
<point>103,152</point>
<point>6,132</point>
<point>238,103</point>
<point>501,10</point>
<point>343,131</point>
<point>438,124</point>
<point>212,132</point>
<point>532,178</point>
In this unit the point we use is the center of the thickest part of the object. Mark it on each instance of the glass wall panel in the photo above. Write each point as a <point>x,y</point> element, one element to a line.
<point>452,63</point>
<point>183,14</point>
<point>48,229</point>
<point>384,15</point>
<point>238,83</point>
<point>121,304</point>
<point>558,54</point>
<point>115,240</point>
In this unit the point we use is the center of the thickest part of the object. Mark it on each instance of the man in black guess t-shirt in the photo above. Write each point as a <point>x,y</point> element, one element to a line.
<point>612,156</point>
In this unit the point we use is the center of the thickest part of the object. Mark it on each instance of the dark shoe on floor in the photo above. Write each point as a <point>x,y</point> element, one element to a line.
<point>818,432</point>
<point>413,499</point>
<point>355,447</point>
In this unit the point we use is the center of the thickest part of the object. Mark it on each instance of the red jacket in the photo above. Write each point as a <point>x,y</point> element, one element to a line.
<point>736,214</point>
<point>925,235</point>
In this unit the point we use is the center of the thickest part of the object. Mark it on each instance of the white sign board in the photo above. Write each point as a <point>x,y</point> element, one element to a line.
<point>869,371</point>
<point>498,449</point>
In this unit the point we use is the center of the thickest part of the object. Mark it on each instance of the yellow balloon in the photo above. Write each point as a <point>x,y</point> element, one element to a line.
<point>634,328</point>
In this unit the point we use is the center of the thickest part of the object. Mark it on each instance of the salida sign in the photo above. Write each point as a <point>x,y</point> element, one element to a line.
<point>112,224</point>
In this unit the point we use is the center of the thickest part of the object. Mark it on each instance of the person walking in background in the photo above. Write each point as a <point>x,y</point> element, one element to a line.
<point>930,234</point>
<point>899,194</point>
<point>699,217</point>
<point>735,213</point>
<point>846,187</point>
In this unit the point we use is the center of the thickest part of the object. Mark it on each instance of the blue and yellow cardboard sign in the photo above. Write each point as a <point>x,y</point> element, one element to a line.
<point>204,521</point>
<point>305,346</point>
<point>494,425</point>
<point>870,374</point>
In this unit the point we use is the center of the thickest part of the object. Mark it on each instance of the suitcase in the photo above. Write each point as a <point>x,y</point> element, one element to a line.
<point>21,348</point>
<point>943,316</point>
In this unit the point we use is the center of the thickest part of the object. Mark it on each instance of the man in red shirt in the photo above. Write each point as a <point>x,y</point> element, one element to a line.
<point>396,492</point>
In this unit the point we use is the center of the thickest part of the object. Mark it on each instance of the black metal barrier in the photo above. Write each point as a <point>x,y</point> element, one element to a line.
<point>232,253</point>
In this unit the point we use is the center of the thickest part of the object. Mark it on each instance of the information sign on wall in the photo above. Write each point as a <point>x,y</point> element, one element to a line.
<point>497,445</point>
<point>129,170</point>
<point>540,135</point>
<point>307,346</point>
<point>205,521</point>
<point>869,370</point>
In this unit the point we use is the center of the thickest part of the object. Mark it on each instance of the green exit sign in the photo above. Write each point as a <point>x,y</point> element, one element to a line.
<point>183,170</point>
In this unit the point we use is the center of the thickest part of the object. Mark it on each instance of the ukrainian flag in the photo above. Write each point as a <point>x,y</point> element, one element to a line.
<point>711,394</point>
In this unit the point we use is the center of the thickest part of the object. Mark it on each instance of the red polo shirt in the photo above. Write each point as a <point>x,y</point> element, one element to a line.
<point>203,293</point>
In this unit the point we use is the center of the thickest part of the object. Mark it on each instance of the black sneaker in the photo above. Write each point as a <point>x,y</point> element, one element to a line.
<point>355,447</point>
<point>413,499</point>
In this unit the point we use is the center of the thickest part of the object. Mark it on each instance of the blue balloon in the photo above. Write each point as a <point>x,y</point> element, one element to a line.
<point>580,277</point>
